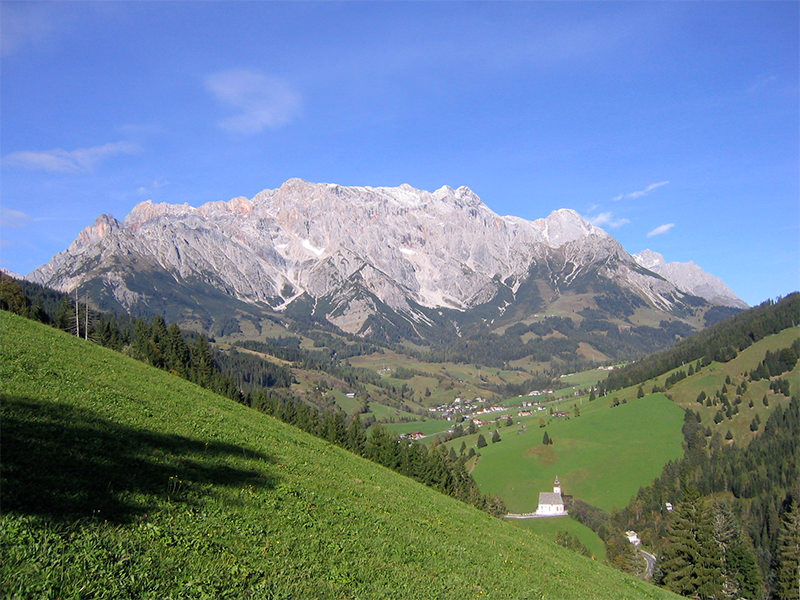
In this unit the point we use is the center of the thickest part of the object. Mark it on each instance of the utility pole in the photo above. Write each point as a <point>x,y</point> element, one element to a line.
<point>86,328</point>
<point>77,317</point>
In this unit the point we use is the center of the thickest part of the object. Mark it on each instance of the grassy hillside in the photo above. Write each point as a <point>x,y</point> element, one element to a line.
<point>549,528</point>
<point>121,481</point>
<point>713,377</point>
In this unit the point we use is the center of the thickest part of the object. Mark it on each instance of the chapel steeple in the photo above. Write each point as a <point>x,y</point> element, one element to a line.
<point>556,486</point>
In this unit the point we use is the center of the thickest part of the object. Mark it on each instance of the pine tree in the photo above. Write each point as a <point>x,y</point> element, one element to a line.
<point>12,298</point>
<point>788,584</point>
<point>546,439</point>
<point>742,577</point>
<point>692,564</point>
<point>202,364</point>
<point>495,436</point>
<point>356,438</point>
<point>481,441</point>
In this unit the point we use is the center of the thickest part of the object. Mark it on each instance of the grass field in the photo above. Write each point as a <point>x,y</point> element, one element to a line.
<point>584,379</point>
<point>548,528</point>
<point>426,427</point>
<point>602,457</point>
<point>121,481</point>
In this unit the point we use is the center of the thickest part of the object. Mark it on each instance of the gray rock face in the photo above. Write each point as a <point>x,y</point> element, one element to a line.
<point>355,247</point>
<point>691,279</point>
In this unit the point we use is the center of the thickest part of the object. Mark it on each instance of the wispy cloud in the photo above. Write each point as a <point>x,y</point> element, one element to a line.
<point>640,193</point>
<point>11,218</point>
<point>80,160</point>
<point>606,219</point>
<point>765,81</point>
<point>260,102</point>
<point>149,189</point>
<point>661,229</point>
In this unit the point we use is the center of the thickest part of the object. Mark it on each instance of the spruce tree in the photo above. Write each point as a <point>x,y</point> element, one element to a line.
<point>788,584</point>
<point>692,564</point>
<point>742,577</point>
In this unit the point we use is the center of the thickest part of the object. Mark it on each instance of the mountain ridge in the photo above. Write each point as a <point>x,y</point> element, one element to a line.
<point>362,252</point>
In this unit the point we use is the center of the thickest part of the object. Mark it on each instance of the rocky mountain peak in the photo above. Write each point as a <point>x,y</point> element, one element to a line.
<point>358,251</point>
<point>566,225</point>
<point>650,259</point>
<point>690,278</point>
<point>103,226</point>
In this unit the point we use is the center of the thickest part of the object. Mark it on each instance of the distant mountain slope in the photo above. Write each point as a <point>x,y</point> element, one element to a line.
<point>387,263</point>
<point>129,482</point>
<point>691,279</point>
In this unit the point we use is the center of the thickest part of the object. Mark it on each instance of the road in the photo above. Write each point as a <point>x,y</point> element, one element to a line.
<point>651,563</point>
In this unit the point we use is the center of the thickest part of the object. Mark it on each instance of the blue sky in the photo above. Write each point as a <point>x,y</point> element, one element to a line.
<point>674,126</point>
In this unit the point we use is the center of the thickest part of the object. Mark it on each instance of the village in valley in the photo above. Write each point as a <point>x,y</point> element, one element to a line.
<point>471,415</point>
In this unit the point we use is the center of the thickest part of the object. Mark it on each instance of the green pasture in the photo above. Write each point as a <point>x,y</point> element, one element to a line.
<point>602,457</point>
<point>584,379</point>
<point>122,481</point>
<point>549,527</point>
<point>427,427</point>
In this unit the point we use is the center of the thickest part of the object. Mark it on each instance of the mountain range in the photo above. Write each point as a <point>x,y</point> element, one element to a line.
<point>393,264</point>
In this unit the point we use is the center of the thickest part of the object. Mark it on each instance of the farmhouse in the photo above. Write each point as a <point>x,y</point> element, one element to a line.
<point>551,504</point>
<point>633,538</point>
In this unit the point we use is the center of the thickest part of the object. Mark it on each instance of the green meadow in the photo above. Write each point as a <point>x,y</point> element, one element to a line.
<point>550,527</point>
<point>121,481</point>
<point>603,456</point>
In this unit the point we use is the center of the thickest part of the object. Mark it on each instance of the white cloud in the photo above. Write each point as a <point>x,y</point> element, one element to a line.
<point>259,101</point>
<point>661,229</point>
<point>80,160</point>
<point>640,193</point>
<point>13,218</point>
<point>607,219</point>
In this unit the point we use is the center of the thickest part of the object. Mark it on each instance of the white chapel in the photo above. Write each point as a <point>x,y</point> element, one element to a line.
<point>551,504</point>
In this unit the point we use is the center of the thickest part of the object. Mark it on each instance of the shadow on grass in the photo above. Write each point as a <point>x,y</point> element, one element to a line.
<point>65,463</point>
